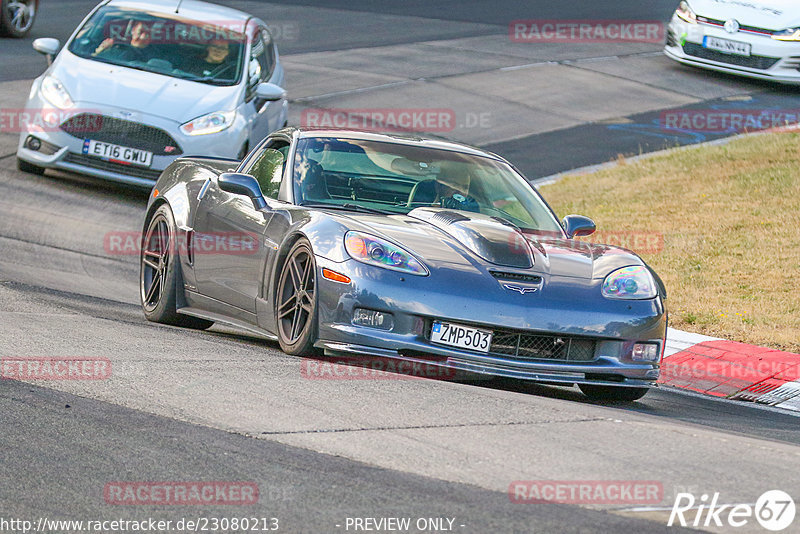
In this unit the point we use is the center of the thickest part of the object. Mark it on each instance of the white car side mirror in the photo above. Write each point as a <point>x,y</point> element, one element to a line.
<point>47,46</point>
<point>270,91</point>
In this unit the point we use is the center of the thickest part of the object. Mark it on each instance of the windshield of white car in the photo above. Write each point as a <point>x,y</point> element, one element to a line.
<point>163,44</point>
<point>397,178</point>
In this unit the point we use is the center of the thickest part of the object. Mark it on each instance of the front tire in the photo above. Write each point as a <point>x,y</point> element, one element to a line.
<point>24,166</point>
<point>158,273</point>
<point>296,301</point>
<point>17,17</point>
<point>613,393</point>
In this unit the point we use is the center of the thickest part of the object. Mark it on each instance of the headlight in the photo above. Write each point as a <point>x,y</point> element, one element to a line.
<point>792,34</point>
<point>55,92</point>
<point>630,283</point>
<point>380,253</point>
<point>685,12</point>
<point>209,124</point>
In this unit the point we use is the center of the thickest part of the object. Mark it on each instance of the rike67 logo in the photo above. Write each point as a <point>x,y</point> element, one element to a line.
<point>774,510</point>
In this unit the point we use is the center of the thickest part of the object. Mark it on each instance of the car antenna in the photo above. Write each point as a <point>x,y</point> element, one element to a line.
<point>178,6</point>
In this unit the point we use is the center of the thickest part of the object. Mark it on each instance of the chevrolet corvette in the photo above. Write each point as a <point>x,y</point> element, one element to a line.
<point>395,246</point>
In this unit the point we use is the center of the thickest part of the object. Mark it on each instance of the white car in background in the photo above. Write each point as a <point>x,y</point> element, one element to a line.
<point>754,38</point>
<point>143,82</point>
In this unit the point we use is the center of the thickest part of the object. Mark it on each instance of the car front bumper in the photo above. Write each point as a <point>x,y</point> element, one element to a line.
<point>64,151</point>
<point>611,332</point>
<point>770,59</point>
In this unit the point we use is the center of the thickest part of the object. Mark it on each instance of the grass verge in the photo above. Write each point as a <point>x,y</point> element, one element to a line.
<point>721,226</point>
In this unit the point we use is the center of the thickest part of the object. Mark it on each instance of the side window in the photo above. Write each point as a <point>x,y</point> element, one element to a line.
<point>268,167</point>
<point>262,58</point>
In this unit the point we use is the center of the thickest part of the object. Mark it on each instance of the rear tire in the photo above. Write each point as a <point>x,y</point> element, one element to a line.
<point>613,393</point>
<point>296,301</point>
<point>24,166</point>
<point>158,273</point>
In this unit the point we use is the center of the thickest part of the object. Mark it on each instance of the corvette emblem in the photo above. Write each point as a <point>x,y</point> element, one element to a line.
<point>521,290</point>
<point>732,26</point>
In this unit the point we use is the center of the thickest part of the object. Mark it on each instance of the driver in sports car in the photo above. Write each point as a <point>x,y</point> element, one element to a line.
<point>452,190</point>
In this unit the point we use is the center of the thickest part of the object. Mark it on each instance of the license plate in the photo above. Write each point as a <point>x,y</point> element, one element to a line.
<point>461,336</point>
<point>727,46</point>
<point>117,153</point>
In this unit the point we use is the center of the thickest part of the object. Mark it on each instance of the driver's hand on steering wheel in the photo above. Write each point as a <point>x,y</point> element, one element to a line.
<point>105,45</point>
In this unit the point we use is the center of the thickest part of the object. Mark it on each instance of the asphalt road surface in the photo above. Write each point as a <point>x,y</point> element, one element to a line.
<point>224,405</point>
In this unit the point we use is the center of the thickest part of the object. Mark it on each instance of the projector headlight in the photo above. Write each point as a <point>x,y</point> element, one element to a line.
<point>631,283</point>
<point>209,124</point>
<point>55,93</point>
<point>380,253</point>
<point>686,13</point>
<point>791,34</point>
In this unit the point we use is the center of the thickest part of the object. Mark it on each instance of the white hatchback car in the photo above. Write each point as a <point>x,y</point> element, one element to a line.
<point>140,83</point>
<point>754,38</point>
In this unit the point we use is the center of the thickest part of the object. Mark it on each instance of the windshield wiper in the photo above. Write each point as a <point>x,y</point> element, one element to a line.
<point>349,207</point>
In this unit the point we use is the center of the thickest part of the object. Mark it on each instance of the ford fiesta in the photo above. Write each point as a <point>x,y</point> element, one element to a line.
<point>758,39</point>
<point>141,83</point>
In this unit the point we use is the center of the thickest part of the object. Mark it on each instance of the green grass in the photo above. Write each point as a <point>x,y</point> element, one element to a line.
<point>730,220</point>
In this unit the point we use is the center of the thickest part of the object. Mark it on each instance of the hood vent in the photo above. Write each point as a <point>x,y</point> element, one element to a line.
<point>516,277</point>
<point>496,242</point>
<point>448,217</point>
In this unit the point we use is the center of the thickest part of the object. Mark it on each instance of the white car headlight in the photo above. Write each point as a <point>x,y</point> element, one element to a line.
<point>633,283</point>
<point>380,253</point>
<point>790,34</point>
<point>55,93</point>
<point>686,13</point>
<point>209,124</point>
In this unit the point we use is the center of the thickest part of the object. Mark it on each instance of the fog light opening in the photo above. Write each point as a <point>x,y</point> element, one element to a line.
<point>645,352</point>
<point>33,143</point>
<point>373,319</point>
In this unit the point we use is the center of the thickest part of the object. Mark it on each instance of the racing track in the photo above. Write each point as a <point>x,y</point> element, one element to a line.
<point>223,405</point>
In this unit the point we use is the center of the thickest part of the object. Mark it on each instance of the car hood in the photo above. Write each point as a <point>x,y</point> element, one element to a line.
<point>458,239</point>
<point>770,14</point>
<point>93,83</point>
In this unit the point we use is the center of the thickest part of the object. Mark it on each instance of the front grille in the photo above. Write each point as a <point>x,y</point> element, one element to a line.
<point>542,347</point>
<point>127,170</point>
<point>742,27</point>
<point>121,132</point>
<point>752,62</point>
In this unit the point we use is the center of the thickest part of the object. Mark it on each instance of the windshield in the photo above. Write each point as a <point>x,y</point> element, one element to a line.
<point>171,46</point>
<point>396,178</point>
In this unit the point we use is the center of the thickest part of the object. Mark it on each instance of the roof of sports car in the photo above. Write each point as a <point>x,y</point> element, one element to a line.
<point>191,9</point>
<point>405,138</point>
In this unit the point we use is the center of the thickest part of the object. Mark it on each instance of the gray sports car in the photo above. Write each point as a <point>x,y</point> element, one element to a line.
<point>399,247</point>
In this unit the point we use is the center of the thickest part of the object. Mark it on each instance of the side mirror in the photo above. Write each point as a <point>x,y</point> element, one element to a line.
<point>578,225</point>
<point>47,46</point>
<point>270,92</point>
<point>243,184</point>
